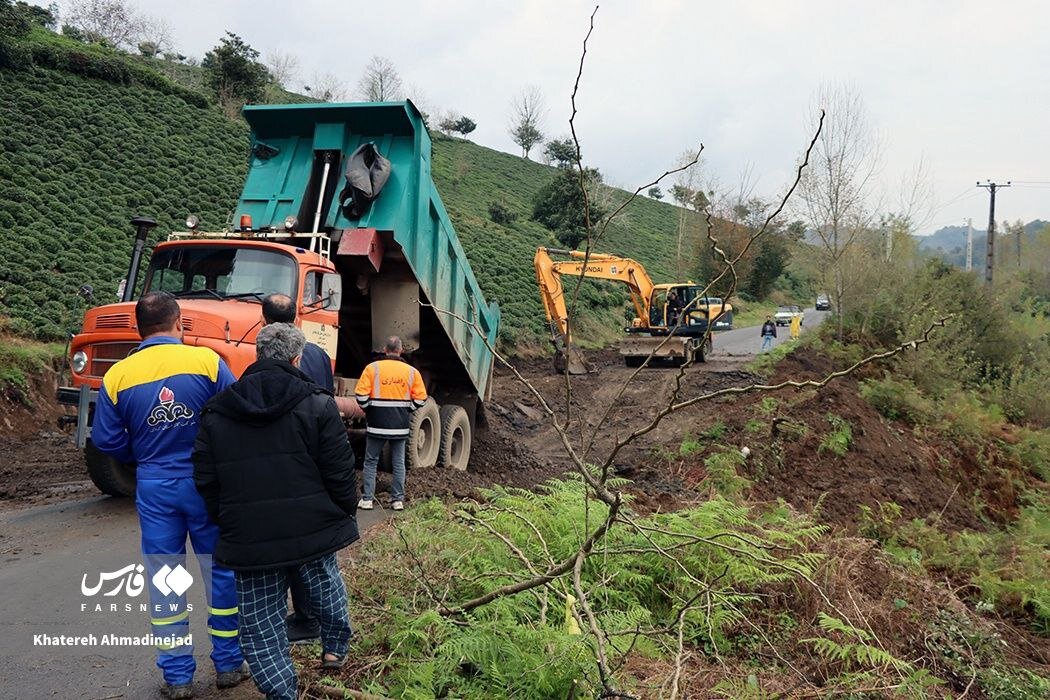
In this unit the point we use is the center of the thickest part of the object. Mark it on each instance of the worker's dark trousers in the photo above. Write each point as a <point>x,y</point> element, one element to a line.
<point>169,510</point>
<point>262,598</point>
<point>300,601</point>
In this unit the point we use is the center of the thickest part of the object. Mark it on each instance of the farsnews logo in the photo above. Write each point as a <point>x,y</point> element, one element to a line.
<point>169,410</point>
<point>166,580</point>
<point>129,578</point>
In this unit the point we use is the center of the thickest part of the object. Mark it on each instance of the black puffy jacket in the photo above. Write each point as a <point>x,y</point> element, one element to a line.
<point>275,469</point>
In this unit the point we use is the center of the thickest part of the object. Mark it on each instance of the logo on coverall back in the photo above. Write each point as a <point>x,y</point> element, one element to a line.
<point>169,410</point>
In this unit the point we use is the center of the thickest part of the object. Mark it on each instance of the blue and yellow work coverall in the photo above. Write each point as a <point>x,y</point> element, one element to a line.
<point>148,412</point>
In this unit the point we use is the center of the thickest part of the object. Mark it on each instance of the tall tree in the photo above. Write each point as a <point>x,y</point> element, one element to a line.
<point>559,205</point>
<point>527,112</point>
<point>834,190</point>
<point>380,82</point>
<point>283,67</point>
<point>234,72</point>
<point>114,22</point>
<point>327,87</point>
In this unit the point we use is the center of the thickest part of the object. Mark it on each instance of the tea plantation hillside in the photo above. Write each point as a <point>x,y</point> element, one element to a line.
<point>82,156</point>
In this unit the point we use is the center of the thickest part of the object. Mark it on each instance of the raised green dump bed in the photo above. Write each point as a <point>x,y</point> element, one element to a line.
<point>290,146</point>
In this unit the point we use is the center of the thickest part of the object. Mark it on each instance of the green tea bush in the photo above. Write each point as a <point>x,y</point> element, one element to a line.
<point>82,157</point>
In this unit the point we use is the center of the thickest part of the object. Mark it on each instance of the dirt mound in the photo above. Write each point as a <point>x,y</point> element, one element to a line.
<point>24,411</point>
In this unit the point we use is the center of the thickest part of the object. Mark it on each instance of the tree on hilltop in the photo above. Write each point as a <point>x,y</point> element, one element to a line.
<point>455,123</point>
<point>380,82</point>
<point>234,72</point>
<point>527,111</point>
<point>560,152</point>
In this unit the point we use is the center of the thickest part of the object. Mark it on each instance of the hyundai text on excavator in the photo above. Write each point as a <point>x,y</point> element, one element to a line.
<point>340,213</point>
<point>671,323</point>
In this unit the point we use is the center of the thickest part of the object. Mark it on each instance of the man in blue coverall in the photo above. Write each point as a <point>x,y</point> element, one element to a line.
<point>148,412</point>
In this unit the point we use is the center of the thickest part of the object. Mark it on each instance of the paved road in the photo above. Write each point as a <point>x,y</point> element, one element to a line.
<point>44,554</point>
<point>746,341</point>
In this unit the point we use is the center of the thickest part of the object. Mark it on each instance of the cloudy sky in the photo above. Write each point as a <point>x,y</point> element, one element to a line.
<point>961,86</point>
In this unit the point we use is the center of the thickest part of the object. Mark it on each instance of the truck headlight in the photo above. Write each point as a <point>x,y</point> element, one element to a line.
<point>79,361</point>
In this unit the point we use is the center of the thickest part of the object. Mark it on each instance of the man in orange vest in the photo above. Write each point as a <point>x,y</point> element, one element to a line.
<point>389,390</point>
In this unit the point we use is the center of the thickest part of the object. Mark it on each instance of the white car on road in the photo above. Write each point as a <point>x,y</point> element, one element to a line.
<point>784,315</point>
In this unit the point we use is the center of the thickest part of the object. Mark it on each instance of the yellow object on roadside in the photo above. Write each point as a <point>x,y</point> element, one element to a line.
<point>796,327</point>
<point>571,625</point>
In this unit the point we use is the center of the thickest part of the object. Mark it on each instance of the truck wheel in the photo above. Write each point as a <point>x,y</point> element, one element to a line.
<point>424,437</point>
<point>455,437</point>
<point>111,477</point>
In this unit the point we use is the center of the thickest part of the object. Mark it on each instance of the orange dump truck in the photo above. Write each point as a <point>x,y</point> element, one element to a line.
<point>339,212</point>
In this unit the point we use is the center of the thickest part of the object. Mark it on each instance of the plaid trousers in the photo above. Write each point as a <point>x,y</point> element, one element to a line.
<point>262,597</point>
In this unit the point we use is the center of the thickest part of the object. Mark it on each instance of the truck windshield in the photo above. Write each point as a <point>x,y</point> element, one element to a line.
<point>220,272</point>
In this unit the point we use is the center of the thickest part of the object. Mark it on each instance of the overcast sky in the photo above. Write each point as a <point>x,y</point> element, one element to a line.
<point>962,85</point>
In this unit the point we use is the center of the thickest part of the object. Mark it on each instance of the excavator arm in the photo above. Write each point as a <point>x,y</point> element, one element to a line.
<point>594,266</point>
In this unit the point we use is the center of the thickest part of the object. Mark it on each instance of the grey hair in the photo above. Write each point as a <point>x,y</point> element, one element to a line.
<point>393,344</point>
<point>279,341</point>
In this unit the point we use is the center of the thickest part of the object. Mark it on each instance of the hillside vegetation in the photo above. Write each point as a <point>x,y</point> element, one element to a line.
<point>88,152</point>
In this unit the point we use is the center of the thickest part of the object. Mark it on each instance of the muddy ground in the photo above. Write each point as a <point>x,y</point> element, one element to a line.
<point>520,447</point>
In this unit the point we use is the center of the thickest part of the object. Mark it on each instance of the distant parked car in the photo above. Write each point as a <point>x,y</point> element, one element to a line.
<point>784,315</point>
<point>823,302</point>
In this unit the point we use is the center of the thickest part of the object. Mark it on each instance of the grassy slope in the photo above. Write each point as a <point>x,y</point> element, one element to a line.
<point>85,155</point>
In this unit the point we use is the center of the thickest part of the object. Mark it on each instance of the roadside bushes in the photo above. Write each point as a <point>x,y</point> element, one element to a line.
<point>538,642</point>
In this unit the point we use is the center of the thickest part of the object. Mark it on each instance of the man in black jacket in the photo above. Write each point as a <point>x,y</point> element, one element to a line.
<point>274,467</point>
<point>317,366</point>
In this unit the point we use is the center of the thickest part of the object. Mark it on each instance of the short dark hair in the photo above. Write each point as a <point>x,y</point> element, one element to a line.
<point>278,308</point>
<point>156,312</point>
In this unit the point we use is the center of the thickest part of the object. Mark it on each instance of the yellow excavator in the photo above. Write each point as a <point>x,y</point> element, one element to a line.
<point>671,322</point>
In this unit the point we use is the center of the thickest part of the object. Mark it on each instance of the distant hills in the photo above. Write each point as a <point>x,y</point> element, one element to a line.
<point>950,242</point>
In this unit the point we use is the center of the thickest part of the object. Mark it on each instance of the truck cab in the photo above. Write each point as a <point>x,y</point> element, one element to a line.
<point>360,268</point>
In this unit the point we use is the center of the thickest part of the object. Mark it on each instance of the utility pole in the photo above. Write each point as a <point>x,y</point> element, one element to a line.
<point>990,260</point>
<point>1017,236</point>
<point>969,244</point>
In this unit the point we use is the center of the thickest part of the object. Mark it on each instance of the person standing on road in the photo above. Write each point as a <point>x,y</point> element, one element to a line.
<point>148,412</point>
<point>274,466</point>
<point>388,390</point>
<point>796,326</point>
<point>317,366</point>
<point>769,332</point>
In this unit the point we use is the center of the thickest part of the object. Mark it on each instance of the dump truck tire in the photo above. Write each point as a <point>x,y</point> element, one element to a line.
<point>424,437</point>
<point>111,477</point>
<point>455,437</point>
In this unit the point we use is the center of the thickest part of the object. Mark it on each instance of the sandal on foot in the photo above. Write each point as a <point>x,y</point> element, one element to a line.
<point>335,663</point>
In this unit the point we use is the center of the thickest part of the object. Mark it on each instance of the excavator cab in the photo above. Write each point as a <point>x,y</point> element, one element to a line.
<point>675,306</point>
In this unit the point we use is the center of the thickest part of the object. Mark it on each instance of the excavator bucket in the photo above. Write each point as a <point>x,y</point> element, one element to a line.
<point>569,358</point>
<point>571,361</point>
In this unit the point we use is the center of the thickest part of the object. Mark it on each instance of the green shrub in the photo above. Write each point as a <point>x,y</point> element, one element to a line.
<point>839,440</point>
<point>500,214</point>
<point>722,476</point>
<point>898,399</point>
